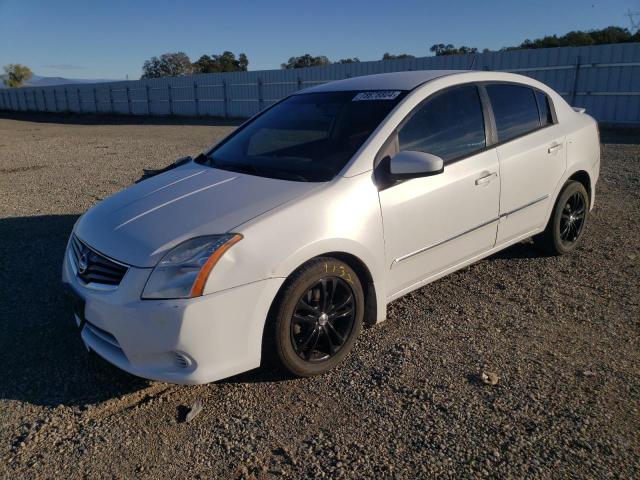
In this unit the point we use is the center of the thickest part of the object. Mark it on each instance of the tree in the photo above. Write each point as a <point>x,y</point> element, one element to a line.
<point>578,38</point>
<point>168,65</point>
<point>349,60</point>
<point>304,61</point>
<point>226,62</point>
<point>440,49</point>
<point>389,56</point>
<point>16,75</point>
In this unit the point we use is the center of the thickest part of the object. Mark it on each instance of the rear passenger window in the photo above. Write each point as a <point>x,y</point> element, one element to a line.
<point>545,110</point>
<point>515,110</point>
<point>450,125</point>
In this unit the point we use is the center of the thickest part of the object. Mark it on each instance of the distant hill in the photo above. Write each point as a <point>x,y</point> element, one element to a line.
<point>40,81</point>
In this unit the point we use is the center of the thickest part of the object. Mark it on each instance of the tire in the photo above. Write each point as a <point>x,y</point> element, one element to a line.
<point>564,231</point>
<point>307,338</point>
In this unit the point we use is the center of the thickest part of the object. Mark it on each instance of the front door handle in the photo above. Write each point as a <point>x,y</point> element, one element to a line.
<point>556,147</point>
<point>486,178</point>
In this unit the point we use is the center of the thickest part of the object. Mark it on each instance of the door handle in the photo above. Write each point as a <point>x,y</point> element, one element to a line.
<point>555,148</point>
<point>485,179</point>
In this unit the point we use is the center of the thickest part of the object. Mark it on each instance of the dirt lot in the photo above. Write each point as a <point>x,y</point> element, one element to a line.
<point>561,333</point>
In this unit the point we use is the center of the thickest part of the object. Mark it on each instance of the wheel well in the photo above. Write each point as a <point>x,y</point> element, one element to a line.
<point>364,275</point>
<point>583,177</point>
<point>368,287</point>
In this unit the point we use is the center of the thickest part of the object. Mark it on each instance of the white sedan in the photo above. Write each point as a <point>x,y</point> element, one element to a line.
<point>287,236</point>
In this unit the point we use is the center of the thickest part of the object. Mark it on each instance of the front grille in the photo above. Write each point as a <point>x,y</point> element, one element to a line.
<point>94,268</point>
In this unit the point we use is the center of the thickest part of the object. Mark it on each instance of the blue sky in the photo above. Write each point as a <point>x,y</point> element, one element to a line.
<point>112,39</point>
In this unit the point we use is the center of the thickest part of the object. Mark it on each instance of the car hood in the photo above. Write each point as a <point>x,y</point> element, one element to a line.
<point>137,226</point>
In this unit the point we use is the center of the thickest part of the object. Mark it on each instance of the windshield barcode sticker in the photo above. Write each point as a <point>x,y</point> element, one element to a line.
<point>377,95</point>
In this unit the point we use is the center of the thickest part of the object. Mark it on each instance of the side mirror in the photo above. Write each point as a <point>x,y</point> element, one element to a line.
<point>411,164</point>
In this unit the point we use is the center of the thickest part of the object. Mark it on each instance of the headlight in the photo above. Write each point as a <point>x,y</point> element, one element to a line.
<point>183,271</point>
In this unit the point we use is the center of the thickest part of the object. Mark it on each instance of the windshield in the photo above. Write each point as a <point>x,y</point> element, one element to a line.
<point>307,137</point>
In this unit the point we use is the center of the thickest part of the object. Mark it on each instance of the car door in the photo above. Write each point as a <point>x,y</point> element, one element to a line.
<point>532,154</point>
<point>434,223</point>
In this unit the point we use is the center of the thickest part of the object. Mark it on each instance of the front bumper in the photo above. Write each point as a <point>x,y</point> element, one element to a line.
<point>185,341</point>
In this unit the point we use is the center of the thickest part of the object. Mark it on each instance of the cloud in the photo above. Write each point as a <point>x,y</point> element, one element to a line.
<point>65,66</point>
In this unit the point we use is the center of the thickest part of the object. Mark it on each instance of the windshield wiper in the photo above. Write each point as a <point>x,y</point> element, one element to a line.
<point>252,169</point>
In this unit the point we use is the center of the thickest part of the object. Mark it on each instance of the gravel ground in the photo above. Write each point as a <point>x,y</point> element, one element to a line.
<point>562,334</point>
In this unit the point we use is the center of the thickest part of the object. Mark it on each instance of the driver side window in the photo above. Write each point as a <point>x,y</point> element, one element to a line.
<point>449,125</point>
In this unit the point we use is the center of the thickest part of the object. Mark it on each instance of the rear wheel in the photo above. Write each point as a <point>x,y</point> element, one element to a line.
<point>318,317</point>
<point>566,225</point>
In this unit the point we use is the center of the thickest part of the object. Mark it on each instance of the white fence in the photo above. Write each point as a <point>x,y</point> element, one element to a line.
<point>605,79</point>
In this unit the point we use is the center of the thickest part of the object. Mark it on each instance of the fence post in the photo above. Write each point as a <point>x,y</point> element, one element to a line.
<point>44,100</point>
<point>95,100</point>
<point>224,98</point>
<point>299,83</point>
<point>576,70</point>
<point>66,100</point>
<point>170,99</point>
<point>148,91</point>
<point>55,99</point>
<point>79,100</point>
<point>26,102</point>
<point>35,101</point>
<point>128,100</point>
<point>195,98</point>
<point>260,94</point>
<point>111,100</point>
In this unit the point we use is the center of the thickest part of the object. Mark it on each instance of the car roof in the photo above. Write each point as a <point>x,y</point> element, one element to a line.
<point>382,81</point>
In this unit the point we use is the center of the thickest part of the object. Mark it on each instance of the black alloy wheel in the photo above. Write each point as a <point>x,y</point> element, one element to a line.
<point>316,318</point>
<point>323,319</point>
<point>572,218</point>
<point>569,216</point>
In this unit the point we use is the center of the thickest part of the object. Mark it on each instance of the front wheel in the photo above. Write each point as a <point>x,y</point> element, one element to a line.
<point>566,225</point>
<point>318,317</point>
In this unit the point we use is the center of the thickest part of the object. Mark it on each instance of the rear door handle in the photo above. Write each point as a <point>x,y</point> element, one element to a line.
<point>486,178</point>
<point>555,148</point>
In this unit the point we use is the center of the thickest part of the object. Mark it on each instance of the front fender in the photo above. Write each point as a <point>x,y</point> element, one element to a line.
<point>343,216</point>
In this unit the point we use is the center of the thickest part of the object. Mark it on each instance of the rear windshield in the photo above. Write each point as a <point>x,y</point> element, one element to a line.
<point>307,137</point>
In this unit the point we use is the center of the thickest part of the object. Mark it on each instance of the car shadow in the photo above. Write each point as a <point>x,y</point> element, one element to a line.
<point>109,119</point>
<point>524,249</point>
<point>620,135</point>
<point>44,361</point>
<point>262,374</point>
